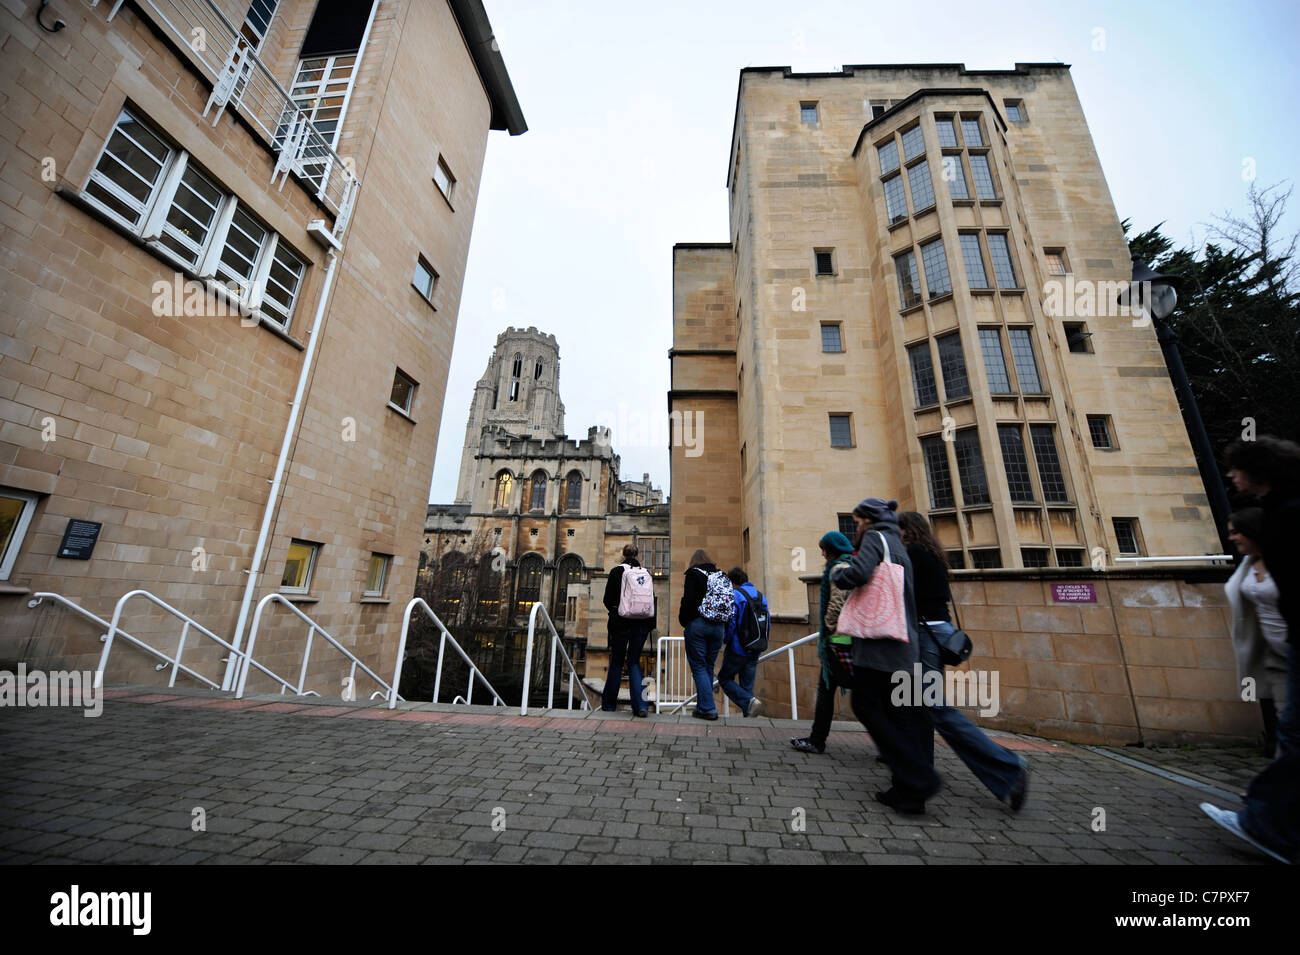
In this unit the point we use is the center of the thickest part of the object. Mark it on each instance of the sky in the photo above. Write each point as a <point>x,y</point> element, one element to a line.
<point>630,107</point>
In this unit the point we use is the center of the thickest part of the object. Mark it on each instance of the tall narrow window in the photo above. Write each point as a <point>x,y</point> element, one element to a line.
<point>299,566</point>
<point>1099,431</point>
<point>937,474</point>
<point>1015,462</point>
<point>841,431</point>
<point>504,496</point>
<point>283,284</point>
<point>976,277</point>
<point>538,501</point>
<point>888,153</point>
<point>1126,535</point>
<point>923,384</point>
<point>1000,253</point>
<point>1022,353</point>
<point>377,575</point>
<point>257,21</point>
<point>1050,475</point>
<point>529,590</point>
<point>947,134</point>
<point>971,132</point>
<point>190,218</point>
<point>425,279</point>
<point>831,338</point>
<point>956,179</point>
<point>909,281</point>
<point>847,526</point>
<point>443,179</point>
<point>895,200</point>
<point>936,268</point>
<point>537,372</point>
<point>129,170</point>
<point>995,363</point>
<point>970,468</point>
<point>573,492</point>
<point>979,168</point>
<point>913,143</point>
<point>952,363</point>
<point>918,178</point>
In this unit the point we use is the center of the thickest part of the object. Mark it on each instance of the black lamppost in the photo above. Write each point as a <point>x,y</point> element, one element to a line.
<point>1156,296</point>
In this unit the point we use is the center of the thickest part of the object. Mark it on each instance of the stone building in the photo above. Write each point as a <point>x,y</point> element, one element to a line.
<point>554,509</point>
<point>235,236</point>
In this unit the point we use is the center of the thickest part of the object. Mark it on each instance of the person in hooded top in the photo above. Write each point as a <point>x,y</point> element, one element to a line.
<point>837,550</point>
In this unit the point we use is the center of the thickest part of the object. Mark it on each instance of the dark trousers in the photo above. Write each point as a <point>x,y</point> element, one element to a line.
<point>899,732</point>
<point>1272,813</point>
<point>625,643</point>
<point>823,713</point>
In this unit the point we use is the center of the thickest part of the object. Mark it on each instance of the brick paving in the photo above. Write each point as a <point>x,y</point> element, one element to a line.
<point>330,783</point>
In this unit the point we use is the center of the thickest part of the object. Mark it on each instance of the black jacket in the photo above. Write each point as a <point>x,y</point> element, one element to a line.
<point>1282,554</point>
<point>929,585</point>
<point>614,593</point>
<point>885,655</point>
<point>696,586</point>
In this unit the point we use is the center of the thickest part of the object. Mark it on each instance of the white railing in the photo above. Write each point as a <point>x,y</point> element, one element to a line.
<point>240,78</point>
<point>676,705</point>
<point>300,689</point>
<point>114,629</point>
<point>557,650</point>
<point>474,671</point>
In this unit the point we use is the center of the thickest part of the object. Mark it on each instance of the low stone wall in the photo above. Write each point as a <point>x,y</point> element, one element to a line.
<point>1147,660</point>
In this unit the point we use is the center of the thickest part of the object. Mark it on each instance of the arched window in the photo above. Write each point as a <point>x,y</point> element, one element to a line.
<point>573,492</point>
<point>518,368</point>
<point>537,372</point>
<point>567,571</point>
<point>488,603</point>
<point>505,489</point>
<point>538,496</point>
<point>529,589</point>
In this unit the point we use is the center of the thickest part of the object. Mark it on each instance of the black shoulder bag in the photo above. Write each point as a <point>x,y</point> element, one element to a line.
<point>954,648</point>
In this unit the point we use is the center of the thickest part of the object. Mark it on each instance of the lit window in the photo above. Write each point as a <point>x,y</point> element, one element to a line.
<point>918,178</point>
<point>443,179</point>
<point>299,566</point>
<point>425,279</point>
<point>841,431</point>
<point>1126,535</point>
<point>808,113</point>
<point>16,509</point>
<point>1099,431</point>
<point>935,261</point>
<point>403,394</point>
<point>504,495</point>
<point>377,575</point>
<point>831,338</point>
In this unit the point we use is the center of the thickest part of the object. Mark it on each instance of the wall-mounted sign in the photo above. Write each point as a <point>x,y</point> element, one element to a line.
<point>1074,594</point>
<point>79,539</point>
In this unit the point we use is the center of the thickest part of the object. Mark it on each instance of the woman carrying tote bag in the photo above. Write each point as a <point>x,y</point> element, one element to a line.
<point>899,732</point>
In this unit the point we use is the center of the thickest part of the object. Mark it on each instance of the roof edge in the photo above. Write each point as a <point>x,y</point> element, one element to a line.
<point>919,95</point>
<point>477,33</point>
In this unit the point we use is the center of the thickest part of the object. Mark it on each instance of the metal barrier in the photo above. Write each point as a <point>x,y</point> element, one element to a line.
<point>442,643</point>
<point>300,690</point>
<point>674,684</point>
<point>556,645</point>
<point>678,705</point>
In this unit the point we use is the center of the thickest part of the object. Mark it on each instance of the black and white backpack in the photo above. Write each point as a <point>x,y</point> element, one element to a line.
<point>719,603</point>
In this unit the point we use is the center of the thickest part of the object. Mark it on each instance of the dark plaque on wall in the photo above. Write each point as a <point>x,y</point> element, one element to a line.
<point>79,539</point>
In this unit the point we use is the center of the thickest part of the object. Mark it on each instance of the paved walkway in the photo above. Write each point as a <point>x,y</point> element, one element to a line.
<point>328,783</point>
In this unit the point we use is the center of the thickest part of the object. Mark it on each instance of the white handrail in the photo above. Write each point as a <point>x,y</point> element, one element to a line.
<point>788,649</point>
<point>555,645</point>
<point>442,643</point>
<point>314,628</point>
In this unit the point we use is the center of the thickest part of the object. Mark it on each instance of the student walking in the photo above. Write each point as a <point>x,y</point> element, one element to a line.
<point>899,732</point>
<point>836,551</point>
<point>707,605</point>
<point>747,634</point>
<point>630,600</point>
<point>1001,771</point>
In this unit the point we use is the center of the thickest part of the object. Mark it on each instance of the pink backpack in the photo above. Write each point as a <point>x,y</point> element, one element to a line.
<point>877,610</point>
<point>636,599</point>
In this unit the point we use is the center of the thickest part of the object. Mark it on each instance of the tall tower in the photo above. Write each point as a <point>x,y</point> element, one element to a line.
<point>519,393</point>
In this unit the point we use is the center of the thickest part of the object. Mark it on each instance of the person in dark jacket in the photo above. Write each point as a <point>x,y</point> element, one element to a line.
<point>740,667</point>
<point>899,732</point>
<point>1002,772</point>
<point>703,637</point>
<point>626,640</point>
<point>836,550</point>
<point>1269,469</point>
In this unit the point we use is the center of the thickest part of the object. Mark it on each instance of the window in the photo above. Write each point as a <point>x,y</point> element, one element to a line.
<point>403,394</point>
<point>841,431</point>
<point>895,201</point>
<point>538,495</point>
<point>320,89</point>
<point>825,262</point>
<point>879,108</point>
<point>744,464</point>
<point>956,179</point>
<point>654,554</point>
<point>1035,556</point>
<point>1022,353</point>
<point>258,21</point>
<point>918,178</point>
<point>956,560</point>
<point>971,132</point>
<point>504,495</point>
<point>831,338</point>
<point>189,220</point>
<point>425,278</point>
<point>517,368</point>
<point>573,492</point>
<point>744,540</point>
<point>282,285</point>
<point>299,566</point>
<point>970,468</point>
<point>129,171</point>
<point>377,575</point>
<point>909,281</point>
<point>923,384</point>
<point>246,242</point>
<point>16,509</point>
<point>888,153</point>
<point>936,268</point>
<point>979,168</point>
<point>976,277</point>
<point>443,179</point>
<point>1056,262</point>
<point>847,526</point>
<point>1015,114</point>
<point>937,474</point>
<point>952,364</point>
<point>1049,464</point>
<point>1099,431</point>
<point>913,143</point>
<point>808,113</point>
<point>1077,338</point>
<point>1000,253</point>
<point>986,559</point>
<point>1016,464</point>
<point>537,372</point>
<point>514,390</point>
<point>1069,558</point>
<point>995,364</point>
<point>529,590</point>
<point>1126,535</point>
<point>947,132</point>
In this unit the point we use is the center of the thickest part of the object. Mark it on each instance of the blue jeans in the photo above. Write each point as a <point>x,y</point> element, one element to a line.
<point>1272,813</point>
<point>703,640</point>
<point>995,766</point>
<point>1288,722</point>
<point>625,642</point>
<point>740,691</point>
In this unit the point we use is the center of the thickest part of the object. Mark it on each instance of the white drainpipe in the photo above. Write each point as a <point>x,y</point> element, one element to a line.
<point>290,430</point>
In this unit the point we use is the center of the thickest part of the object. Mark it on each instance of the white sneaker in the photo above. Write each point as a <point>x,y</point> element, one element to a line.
<point>755,707</point>
<point>1228,820</point>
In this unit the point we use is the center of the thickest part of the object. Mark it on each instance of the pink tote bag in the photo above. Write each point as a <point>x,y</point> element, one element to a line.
<point>876,610</point>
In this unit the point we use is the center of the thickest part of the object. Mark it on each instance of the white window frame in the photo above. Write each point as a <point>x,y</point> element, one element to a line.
<point>24,521</point>
<point>410,400</point>
<point>383,577</point>
<point>422,265</point>
<point>311,567</point>
<point>445,169</point>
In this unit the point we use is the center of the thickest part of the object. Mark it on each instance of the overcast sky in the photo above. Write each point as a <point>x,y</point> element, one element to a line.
<point>630,107</point>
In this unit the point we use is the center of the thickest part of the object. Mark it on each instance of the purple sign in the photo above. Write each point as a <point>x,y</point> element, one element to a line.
<point>1074,594</point>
